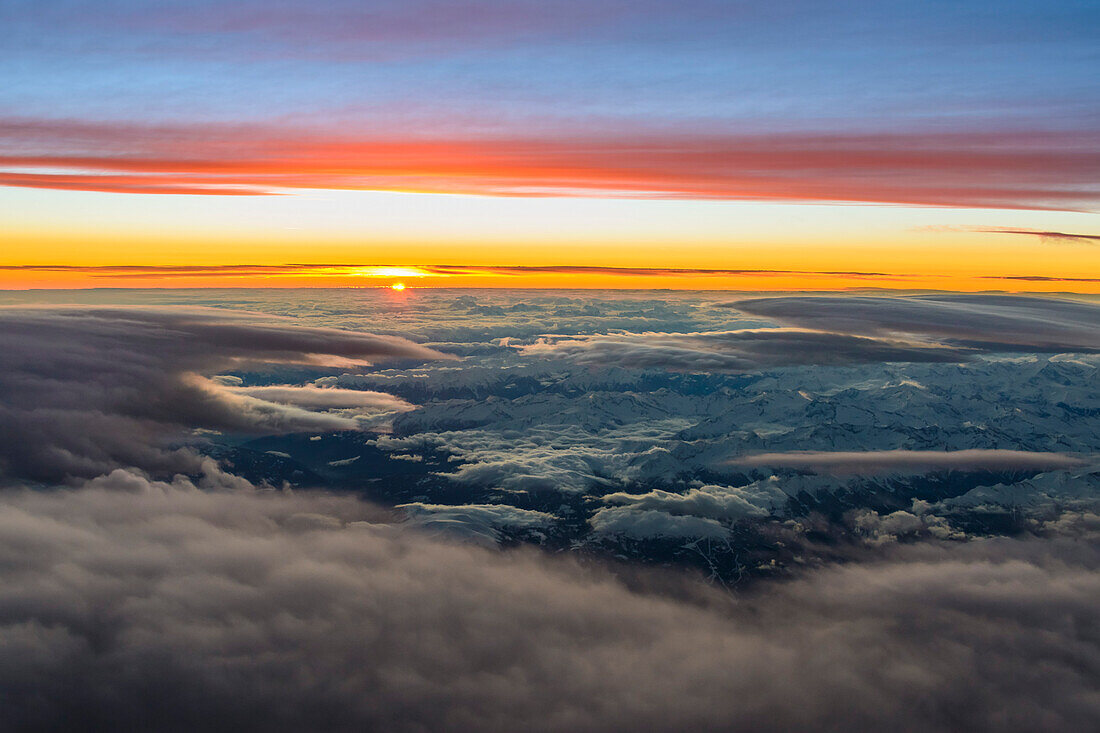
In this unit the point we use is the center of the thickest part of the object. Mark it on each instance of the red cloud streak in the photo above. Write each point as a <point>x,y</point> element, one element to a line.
<point>999,170</point>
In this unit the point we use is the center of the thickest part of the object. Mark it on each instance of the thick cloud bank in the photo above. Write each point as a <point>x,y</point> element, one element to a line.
<point>132,604</point>
<point>737,351</point>
<point>993,322</point>
<point>83,390</point>
<point>911,461</point>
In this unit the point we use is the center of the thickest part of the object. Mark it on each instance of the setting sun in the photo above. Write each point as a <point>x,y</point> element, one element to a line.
<point>398,286</point>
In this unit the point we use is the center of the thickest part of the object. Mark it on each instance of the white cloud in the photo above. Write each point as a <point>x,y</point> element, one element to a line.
<point>650,524</point>
<point>480,523</point>
<point>726,503</point>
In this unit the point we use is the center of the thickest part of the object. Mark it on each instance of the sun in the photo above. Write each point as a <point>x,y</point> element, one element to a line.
<point>398,286</point>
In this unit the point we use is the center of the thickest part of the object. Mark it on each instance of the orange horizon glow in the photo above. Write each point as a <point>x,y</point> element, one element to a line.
<point>550,277</point>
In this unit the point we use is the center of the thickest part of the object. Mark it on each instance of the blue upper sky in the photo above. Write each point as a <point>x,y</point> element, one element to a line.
<point>557,66</point>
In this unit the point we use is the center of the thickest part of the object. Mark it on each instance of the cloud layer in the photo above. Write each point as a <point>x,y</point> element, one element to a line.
<point>83,390</point>
<point>737,351</point>
<point>133,603</point>
<point>992,322</point>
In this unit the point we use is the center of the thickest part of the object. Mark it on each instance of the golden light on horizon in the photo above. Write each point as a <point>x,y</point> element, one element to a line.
<point>398,286</point>
<point>403,272</point>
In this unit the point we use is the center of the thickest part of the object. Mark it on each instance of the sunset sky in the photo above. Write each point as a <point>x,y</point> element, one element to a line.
<point>577,143</point>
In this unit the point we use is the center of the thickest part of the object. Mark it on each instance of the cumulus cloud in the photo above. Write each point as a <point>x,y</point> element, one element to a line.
<point>990,322</point>
<point>651,524</point>
<point>553,447</point>
<point>83,390</point>
<point>727,503</point>
<point>138,604</point>
<point>911,461</point>
<point>480,523</point>
<point>877,529</point>
<point>737,351</point>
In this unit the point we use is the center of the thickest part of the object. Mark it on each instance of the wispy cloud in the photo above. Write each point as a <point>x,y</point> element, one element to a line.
<point>1038,233</point>
<point>1043,278</point>
<point>910,461</point>
<point>1041,234</point>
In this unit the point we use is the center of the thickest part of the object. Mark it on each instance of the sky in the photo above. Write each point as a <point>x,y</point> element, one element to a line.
<point>605,143</point>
